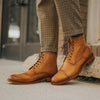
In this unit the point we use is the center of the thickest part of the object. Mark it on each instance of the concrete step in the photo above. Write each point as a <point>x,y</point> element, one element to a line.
<point>93,70</point>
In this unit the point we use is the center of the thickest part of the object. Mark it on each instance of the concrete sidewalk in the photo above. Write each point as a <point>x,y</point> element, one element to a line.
<point>74,90</point>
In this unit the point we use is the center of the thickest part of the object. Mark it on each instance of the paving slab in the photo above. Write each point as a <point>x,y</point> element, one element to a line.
<point>73,90</point>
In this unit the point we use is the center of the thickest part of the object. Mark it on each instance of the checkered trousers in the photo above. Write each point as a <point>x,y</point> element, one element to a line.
<point>48,12</point>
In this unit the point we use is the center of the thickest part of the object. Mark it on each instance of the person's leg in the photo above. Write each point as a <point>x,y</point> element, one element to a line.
<point>79,54</point>
<point>48,25</point>
<point>46,66</point>
<point>69,13</point>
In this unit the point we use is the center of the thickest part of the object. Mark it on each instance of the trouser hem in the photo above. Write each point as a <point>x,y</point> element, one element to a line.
<point>73,33</point>
<point>48,50</point>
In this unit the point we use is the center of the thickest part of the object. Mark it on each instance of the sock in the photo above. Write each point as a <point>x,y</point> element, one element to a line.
<point>77,35</point>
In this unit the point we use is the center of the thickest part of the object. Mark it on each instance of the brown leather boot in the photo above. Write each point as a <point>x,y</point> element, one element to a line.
<point>42,70</point>
<point>77,57</point>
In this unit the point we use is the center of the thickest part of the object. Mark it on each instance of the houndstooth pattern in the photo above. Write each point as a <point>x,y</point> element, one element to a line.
<point>48,25</point>
<point>48,12</point>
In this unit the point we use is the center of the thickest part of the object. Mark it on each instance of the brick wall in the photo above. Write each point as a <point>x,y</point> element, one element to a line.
<point>84,7</point>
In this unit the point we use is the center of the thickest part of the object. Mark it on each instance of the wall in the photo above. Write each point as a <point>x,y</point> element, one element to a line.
<point>93,21</point>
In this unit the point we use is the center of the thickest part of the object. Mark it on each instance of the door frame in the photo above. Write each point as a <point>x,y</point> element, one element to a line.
<point>93,26</point>
<point>0,25</point>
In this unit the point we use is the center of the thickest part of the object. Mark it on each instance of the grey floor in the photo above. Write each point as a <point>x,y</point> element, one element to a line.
<point>74,90</point>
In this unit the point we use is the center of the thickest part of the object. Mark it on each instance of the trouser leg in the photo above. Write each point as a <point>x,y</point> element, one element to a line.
<point>48,25</point>
<point>69,13</point>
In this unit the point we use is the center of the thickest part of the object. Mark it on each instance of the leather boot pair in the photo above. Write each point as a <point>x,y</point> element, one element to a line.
<point>77,57</point>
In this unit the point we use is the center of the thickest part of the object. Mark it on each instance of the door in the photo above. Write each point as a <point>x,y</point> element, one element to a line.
<point>19,29</point>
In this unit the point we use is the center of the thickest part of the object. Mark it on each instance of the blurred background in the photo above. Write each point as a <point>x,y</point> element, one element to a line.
<point>19,35</point>
<point>19,48</point>
<point>19,29</point>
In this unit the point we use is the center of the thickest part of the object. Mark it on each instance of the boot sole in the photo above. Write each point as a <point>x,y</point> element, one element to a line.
<point>87,62</point>
<point>48,79</point>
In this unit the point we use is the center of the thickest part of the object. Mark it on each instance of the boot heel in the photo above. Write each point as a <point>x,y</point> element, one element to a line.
<point>90,60</point>
<point>48,79</point>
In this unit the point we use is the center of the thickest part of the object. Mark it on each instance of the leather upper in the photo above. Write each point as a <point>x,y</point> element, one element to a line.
<point>76,56</point>
<point>46,66</point>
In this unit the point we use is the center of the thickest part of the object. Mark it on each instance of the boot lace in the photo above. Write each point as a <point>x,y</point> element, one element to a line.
<point>41,56</point>
<point>70,49</point>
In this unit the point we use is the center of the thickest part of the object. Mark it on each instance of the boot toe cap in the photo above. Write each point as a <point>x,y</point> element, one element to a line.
<point>14,77</point>
<point>59,77</point>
